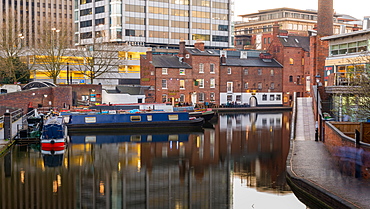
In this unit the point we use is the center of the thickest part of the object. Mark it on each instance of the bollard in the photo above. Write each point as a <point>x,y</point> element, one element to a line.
<point>7,126</point>
<point>357,137</point>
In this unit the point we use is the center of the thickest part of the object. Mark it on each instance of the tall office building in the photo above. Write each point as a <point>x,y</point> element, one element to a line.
<point>30,17</point>
<point>154,23</point>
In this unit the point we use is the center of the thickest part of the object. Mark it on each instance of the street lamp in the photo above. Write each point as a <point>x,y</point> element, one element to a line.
<point>318,77</point>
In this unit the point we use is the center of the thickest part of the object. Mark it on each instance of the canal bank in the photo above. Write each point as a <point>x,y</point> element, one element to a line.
<point>312,173</point>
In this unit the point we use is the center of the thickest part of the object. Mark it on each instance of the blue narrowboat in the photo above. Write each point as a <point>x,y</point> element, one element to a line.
<point>132,120</point>
<point>54,134</point>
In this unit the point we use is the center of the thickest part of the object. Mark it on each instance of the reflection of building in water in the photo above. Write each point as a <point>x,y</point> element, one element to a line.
<point>259,145</point>
<point>251,120</point>
<point>195,173</point>
<point>123,175</point>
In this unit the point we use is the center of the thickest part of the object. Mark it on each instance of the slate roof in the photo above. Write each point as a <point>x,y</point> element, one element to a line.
<point>253,62</point>
<point>213,52</point>
<point>132,90</point>
<point>163,61</point>
<point>296,41</point>
<point>206,52</point>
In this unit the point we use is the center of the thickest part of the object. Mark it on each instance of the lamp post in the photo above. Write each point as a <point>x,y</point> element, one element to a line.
<point>318,77</point>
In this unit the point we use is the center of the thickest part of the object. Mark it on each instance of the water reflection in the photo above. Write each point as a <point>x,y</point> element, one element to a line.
<point>176,169</point>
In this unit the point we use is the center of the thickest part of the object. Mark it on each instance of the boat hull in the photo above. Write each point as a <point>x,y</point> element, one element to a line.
<point>132,121</point>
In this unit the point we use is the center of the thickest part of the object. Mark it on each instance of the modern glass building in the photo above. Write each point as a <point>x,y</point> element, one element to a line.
<point>154,23</point>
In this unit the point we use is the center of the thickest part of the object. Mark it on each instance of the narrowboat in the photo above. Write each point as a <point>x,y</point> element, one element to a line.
<point>142,120</point>
<point>54,134</point>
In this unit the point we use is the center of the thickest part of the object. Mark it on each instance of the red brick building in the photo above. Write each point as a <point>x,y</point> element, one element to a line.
<point>293,52</point>
<point>199,75</point>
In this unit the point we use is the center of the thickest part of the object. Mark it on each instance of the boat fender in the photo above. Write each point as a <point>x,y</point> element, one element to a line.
<point>52,142</point>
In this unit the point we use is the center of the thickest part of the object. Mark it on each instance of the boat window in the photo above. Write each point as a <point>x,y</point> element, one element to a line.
<point>149,117</point>
<point>149,138</point>
<point>135,138</point>
<point>90,139</point>
<point>173,117</point>
<point>90,119</point>
<point>173,137</point>
<point>135,118</point>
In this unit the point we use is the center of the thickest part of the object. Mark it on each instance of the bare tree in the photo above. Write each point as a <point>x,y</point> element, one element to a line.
<point>100,58</point>
<point>12,47</point>
<point>51,51</point>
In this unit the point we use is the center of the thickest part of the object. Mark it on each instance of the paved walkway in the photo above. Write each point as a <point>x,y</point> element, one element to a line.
<point>311,162</point>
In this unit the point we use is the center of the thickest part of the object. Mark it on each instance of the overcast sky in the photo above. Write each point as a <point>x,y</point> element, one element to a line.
<point>355,8</point>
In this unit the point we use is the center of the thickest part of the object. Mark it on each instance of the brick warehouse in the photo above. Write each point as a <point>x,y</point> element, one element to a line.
<point>292,52</point>
<point>199,75</point>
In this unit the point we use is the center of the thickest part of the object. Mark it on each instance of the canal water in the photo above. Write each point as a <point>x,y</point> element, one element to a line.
<point>235,161</point>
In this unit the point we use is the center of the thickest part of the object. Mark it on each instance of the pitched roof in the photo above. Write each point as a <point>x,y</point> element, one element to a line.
<point>206,52</point>
<point>296,41</point>
<point>163,61</point>
<point>252,62</point>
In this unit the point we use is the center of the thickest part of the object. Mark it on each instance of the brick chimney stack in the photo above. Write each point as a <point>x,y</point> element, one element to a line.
<point>325,18</point>
<point>355,28</point>
<point>199,45</point>
<point>275,29</point>
<point>182,48</point>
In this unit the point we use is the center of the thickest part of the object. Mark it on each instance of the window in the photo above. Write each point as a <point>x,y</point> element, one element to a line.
<point>272,85</point>
<point>201,68</point>
<point>272,97</point>
<point>229,98</point>
<point>291,61</point>
<point>173,117</point>
<point>99,10</point>
<point>212,68</point>
<point>238,98</point>
<point>229,86</point>
<point>278,97</point>
<point>164,98</point>
<point>259,86</point>
<point>229,70</point>
<point>259,71</point>
<point>272,72</point>
<point>182,98</point>
<point>245,71</point>
<point>164,84</point>
<point>182,71</point>
<point>182,84</point>
<point>135,118</point>
<point>201,97</point>
<point>201,83</point>
<point>164,71</point>
<point>290,78</point>
<point>212,83</point>
<point>246,85</point>
<point>212,95</point>
<point>264,97</point>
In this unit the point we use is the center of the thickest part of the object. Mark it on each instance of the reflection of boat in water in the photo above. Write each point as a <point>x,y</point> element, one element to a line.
<point>54,134</point>
<point>139,137</point>
<point>52,158</point>
<point>133,120</point>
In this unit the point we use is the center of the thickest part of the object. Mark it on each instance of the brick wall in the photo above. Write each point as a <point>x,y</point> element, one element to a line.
<point>342,148</point>
<point>57,96</point>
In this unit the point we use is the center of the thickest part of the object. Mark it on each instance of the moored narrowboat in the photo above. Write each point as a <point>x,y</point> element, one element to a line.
<point>54,134</point>
<point>132,120</point>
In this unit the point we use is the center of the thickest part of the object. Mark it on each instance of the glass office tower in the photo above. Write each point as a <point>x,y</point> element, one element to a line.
<point>154,23</point>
